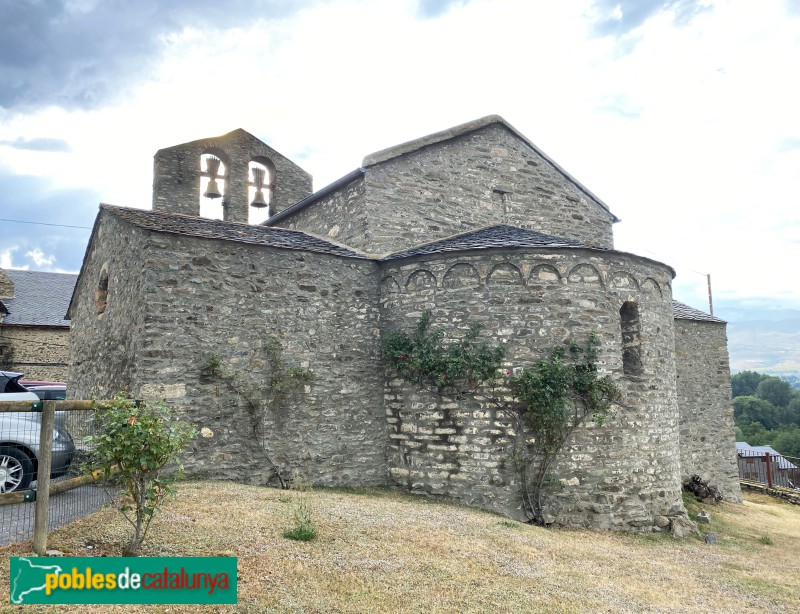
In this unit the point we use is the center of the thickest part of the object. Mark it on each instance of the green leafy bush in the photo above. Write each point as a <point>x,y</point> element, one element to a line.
<point>424,358</point>
<point>133,444</point>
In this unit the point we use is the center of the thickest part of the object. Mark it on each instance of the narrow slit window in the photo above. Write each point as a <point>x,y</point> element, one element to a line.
<point>631,339</point>
<point>101,294</point>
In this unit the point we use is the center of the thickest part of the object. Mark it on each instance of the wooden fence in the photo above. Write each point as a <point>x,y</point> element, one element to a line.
<point>43,486</point>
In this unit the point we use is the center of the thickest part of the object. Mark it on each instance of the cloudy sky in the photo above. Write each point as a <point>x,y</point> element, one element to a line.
<point>682,115</point>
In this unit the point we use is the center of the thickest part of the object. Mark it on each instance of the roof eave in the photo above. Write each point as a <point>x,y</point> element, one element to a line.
<point>312,198</point>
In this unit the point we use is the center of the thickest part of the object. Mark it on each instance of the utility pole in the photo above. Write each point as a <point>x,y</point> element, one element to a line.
<point>710,303</point>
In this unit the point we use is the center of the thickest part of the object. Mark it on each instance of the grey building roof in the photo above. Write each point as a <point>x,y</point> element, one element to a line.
<point>745,449</point>
<point>40,299</point>
<point>681,311</point>
<point>499,236</point>
<point>176,223</point>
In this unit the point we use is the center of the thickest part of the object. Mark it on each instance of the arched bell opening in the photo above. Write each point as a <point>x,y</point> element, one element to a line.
<point>213,174</point>
<point>260,181</point>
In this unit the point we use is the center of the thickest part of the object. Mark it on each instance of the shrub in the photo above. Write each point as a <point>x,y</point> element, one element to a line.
<point>133,444</point>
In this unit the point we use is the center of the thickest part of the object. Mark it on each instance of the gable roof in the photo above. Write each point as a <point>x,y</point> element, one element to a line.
<point>176,223</point>
<point>498,236</point>
<point>40,298</point>
<point>238,133</point>
<point>680,311</point>
<point>411,146</point>
<point>456,131</point>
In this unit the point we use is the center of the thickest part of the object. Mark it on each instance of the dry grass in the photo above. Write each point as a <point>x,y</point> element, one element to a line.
<point>379,551</point>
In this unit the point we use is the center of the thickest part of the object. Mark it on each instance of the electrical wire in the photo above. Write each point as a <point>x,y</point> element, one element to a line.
<point>44,224</point>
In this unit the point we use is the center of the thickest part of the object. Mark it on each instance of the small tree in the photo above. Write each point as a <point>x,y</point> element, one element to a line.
<point>557,395</point>
<point>133,444</point>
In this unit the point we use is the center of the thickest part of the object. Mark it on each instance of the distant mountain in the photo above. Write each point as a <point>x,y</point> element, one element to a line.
<point>763,339</point>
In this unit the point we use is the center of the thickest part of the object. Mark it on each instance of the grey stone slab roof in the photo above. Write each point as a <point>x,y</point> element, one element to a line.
<point>681,311</point>
<point>499,236</point>
<point>176,223</point>
<point>40,299</point>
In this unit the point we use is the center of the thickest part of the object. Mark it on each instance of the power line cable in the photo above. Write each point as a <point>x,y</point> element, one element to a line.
<point>44,224</point>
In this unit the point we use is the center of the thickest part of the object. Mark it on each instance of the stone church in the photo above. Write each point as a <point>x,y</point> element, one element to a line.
<point>476,225</point>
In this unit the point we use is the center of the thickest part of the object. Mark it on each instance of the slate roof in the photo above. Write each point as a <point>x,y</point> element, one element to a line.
<point>745,449</point>
<point>40,299</point>
<point>486,238</point>
<point>684,312</point>
<point>192,226</point>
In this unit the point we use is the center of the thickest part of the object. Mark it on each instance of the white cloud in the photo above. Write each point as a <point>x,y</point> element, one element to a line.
<point>680,127</point>
<point>6,259</point>
<point>39,257</point>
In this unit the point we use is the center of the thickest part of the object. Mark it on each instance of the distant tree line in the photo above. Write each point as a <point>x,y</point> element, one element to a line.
<point>766,410</point>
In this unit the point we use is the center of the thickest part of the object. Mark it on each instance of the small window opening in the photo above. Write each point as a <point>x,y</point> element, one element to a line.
<point>500,200</point>
<point>259,192</point>
<point>212,186</point>
<point>631,339</point>
<point>101,294</point>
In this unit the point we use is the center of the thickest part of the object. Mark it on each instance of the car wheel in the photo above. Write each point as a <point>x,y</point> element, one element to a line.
<point>16,470</point>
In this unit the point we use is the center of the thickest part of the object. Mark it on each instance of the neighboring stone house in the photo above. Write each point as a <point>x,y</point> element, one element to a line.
<point>34,334</point>
<point>475,224</point>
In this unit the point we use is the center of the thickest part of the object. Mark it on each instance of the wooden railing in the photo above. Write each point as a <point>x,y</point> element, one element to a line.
<point>43,486</point>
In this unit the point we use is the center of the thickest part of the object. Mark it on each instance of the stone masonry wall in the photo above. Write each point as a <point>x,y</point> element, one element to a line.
<point>38,352</point>
<point>623,475</point>
<point>341,215</point>
<point>704,398</point>
<point>479,179</point>
<point>176,175</point>
<point>228,299</point>
<point>104,346</point>
<point>482,178</point>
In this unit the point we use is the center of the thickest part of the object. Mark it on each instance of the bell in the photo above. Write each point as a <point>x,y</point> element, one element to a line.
<point>258,200</point>
<point>258,181</point>
<point>212,191</point>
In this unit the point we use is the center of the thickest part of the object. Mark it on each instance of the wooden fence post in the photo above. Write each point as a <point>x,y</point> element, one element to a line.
<point>768,460</point>
<point>43,478</point>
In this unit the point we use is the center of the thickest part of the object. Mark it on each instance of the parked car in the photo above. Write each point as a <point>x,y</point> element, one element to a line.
<point>49,392</point>
<point>19,439</point>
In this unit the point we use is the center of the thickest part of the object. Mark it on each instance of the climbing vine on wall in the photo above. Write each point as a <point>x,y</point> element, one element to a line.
<point>553,398</point>
<point>462,365</point>
<point>546,401</point>
<point>263,393</point>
